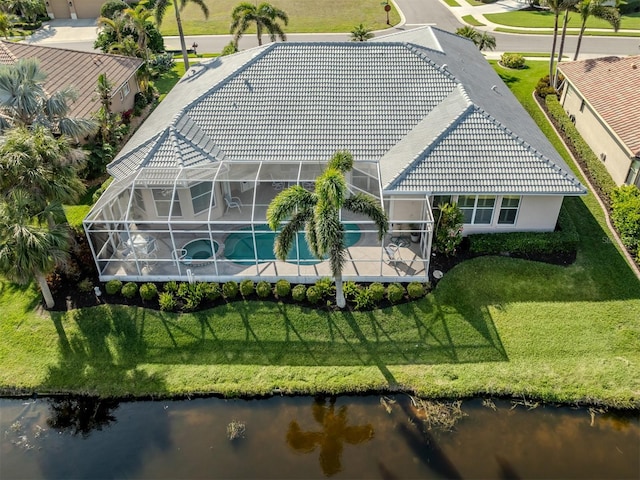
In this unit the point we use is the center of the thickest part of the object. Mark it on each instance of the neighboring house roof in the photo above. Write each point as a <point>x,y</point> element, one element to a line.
<point>79,70</point>
<point>396,101</point>
<point>611,85</point>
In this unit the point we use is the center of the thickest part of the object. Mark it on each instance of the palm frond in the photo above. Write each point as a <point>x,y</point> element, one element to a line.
<point>286,203</point>
<point>364,204</point>
<point>288,235</point>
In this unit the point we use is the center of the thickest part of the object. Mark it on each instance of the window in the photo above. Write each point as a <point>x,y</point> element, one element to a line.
<point>201,196</point>
<point>582,104</point>
<point>162,198</point>
<point>436,202</point>
<point>125,90</point>
<point>508,210</point>
<point>477,210</point>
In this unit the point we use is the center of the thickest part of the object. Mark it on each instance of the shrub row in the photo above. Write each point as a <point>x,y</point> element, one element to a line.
<point>625,214</point>
<point>597,171</point>
<point>564,240</point>
<point>188,296</point>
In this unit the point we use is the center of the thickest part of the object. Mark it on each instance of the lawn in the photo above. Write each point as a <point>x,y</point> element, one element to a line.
<point>493,325</point>
<point>471,20</point>
<point>587,33</point>
<point>305,16</point>
<point>545,19</point>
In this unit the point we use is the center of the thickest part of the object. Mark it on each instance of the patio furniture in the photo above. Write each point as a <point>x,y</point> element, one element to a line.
<point>393,253</point>
<point>233,202</point>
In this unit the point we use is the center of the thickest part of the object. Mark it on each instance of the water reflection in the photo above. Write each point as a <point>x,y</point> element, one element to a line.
<point>331,438</point>
<point>81,415</point>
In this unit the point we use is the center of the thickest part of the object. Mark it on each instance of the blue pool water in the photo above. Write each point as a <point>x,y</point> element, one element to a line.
<point>239,245</point>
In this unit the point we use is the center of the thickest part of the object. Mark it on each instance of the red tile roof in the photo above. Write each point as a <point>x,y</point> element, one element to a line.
<point>611,85</point>
<point>74,68</point>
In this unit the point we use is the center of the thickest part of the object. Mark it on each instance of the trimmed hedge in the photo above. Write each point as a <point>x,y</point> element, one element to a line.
<point>625,214</point>
<point>596,169</point>
<point>563,240</point>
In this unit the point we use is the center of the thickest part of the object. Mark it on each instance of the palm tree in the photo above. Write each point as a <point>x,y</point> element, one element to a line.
<point>361,34</point>
<point>319,214</point>
<point>265,16</point>
<point>567,5</point>
<point>137,18</point>
<point>160,7</point>
<point>28,247</point>
<point>486,41</point>
<point>595,8</point>
<point>556,6</point>
<point>45,167</point>
<point>25,102</point>
<point>481,40</point>
<point>6,24</point>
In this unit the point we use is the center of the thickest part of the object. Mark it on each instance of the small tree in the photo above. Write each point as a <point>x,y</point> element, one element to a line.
<point>265,16</point>
<point>361,34</point>
<point>448,229</point>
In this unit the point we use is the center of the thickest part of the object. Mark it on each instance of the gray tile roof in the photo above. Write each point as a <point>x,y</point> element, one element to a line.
<point>388,100</point>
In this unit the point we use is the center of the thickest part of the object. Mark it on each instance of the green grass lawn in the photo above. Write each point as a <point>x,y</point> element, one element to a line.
<point>471,20</point>
<point>587,33</point>
<point>452,3</point>
<point>305,16</point>
<point>545,19</point>
<point>493,325</point>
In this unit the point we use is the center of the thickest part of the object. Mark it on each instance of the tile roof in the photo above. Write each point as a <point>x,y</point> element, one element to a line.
<point>74,68</point>
<point>386,101</point>
<point>611,85</point>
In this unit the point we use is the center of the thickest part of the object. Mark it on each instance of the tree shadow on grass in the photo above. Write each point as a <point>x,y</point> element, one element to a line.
<point>100,356</point>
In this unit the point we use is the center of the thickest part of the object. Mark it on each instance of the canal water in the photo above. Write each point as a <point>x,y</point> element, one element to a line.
<point>368,437</point>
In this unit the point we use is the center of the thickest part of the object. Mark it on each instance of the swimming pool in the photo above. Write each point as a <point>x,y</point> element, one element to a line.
<point>239,245</point>
<point>199,249</point>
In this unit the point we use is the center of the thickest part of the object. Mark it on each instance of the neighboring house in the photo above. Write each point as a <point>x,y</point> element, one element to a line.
<point>425,116</point>
<point>80,70</point>
<point>73,9</point>
<point>602,97</point>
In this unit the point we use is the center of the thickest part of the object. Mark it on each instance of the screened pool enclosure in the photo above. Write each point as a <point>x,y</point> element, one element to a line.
<point>208,223</point>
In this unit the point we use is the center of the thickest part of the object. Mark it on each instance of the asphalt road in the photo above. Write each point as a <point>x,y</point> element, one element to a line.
<point>416,12</point>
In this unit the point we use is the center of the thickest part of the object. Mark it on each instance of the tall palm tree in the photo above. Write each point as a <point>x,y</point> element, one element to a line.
<point>265,16</point>
<point>28,247</point>
<point>44,167</point>
<point>318,213</point>
<point>137,18</point>
<point>361,33</point>
<point>160,7</point>
<point>567,5</point>
<point>557,7</point>
<point>595,8</point>
<point>25,102</point>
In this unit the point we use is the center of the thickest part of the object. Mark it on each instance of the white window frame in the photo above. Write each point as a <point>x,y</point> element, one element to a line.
<point>517,209</point>
<point>212,198</point>
<point>475,208</point>
<point>125,90</point>
<point>169,200</point>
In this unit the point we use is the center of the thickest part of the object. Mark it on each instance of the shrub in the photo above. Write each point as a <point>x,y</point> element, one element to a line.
<point>100,191</point>
<point>364,299</point>
<point>395,292</point>
<point>247,287</point>
<point>448,234</point>
<point>139,102</point>
<point>263,289</point>
<point>597,171</point>
<point>415,290</point>
<point>350,290</point>
<point>171,287</point>
<point>161,63</point>
<point>313,294</point>
<point>230,289</point>
<point>377,291</point>
<point>111,7</point>
<point>113,287</point>
<point>85,285</point>
<point>283,288</point>
<point>229,48</point>
<point>212,291</point>
<point>148,291</point>
<point>167,302</point>
<point>564,240</point>
<point>625,214</point>
<point>184,289</point>
<point>544,88</point>
<point>299,293</point>
<point>129,290</point>
<point>325,287</point>
<point>512,60</point>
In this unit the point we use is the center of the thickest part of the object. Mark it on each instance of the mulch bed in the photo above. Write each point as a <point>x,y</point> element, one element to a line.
<point>68,296</point>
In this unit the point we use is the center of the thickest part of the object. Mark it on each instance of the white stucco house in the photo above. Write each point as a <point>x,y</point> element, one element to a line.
<point>602,97</point>
<point>424,115</point>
